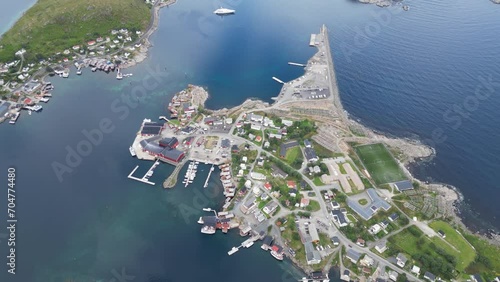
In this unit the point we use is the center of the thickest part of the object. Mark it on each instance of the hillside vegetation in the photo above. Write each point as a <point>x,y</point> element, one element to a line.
<point>51,26</point>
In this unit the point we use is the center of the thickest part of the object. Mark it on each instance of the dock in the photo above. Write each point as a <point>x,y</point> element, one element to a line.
<point>278,80</point>
<point>172,179</point>
<point>297,64</point>
<point>208,177</point>
<point>143,179</point>
<point>312,41</point>
<point>247,244</point>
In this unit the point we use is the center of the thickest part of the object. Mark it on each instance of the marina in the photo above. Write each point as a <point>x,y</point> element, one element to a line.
<point>190,173</point>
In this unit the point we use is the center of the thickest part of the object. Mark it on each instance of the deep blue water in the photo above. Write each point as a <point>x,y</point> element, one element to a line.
<point>400,77</point>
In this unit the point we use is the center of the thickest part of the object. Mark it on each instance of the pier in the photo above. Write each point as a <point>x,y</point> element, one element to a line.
<point>208,177</point>
<point>247,244</point>
<point>312,41</point>
<point>297,64</point>
<point>145,178</point>
<point>278,80</point>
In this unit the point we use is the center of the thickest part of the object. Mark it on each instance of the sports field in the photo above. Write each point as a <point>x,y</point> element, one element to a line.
<point>379,163</point>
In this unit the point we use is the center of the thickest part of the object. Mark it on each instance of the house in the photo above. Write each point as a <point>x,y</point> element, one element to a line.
<point>257,176</point>
<point>258,138</point>
<point>401,260</point>
<point>293,192</point>
<point>267,242</point>
<point>255,126</point>
<point>403,185</point>
<point>311,155</point>
<point>251,136</point>
<point>260,161</point>
<point>353,256</point>
<point>312,255</point>
<point>270,207</point>
<point>381,246</point>
<point>255,117</point>
<point>345,276</point>
<point>429,276</point>
<point>277,172</point>
<point>339,217</point>
<point>476,278</point>
<point>393,217</point>
<point>91,43</point>
<point>384,224</point>
<point>304,202</point>
<point>291,184</point>
<point>275,135</point>
<point>267,144</point>
<point>313,232</point>
<point>247,206</point>
<point>393,275</point>
<point>360,242</point>
<point>441,233</point>
<point>225,143</point>
<point>287,122</point>
<point>367,261</point>
<point>307,143</point>
<point>235,149</point>
<point>268,186</point>
<point>374,229</point>
<point>335,240</point>
<point>415,269</point>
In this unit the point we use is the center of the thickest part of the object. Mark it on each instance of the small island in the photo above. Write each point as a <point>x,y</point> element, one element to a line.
<point>314,186</point>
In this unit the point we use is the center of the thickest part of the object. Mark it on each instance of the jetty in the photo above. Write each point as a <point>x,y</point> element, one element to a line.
<point>297,64</point>
<point>208,177</point>
<point>247,244</point>
<point>172,179</point>
<point>144,179</point>
<point>278,80</point>
<point>312,41</point>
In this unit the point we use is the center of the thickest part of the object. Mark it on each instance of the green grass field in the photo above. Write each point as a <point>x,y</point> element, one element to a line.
<point>466,252</point>
<point>379,163</point>
<point>52,26</point>
<point>292,154</point>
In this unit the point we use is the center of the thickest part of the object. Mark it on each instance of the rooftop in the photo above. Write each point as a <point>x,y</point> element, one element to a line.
<point>366,212</point>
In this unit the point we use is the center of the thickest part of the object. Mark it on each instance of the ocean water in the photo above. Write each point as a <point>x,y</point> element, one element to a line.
<point>11,11</point>
<point>399,72</point>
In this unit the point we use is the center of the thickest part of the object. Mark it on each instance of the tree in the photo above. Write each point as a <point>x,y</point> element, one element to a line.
<point>402,278</point>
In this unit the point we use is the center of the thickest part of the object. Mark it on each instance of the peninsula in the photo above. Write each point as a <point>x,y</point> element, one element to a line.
<point>315,186</point>
<point>52,35</point>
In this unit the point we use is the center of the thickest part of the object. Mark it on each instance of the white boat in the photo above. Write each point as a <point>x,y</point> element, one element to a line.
<point>65,73</point>
<point>45,100</point>
<point>37,108</point>
<point>119,75</point>
<point>14,118</point>
<point>208,230</point>
<point>79,71</point>
<point>29,112</point>
<point>278,256</point>
<point>47,95</point>
<point>223,11</point>
<point>200,221</point>
<point>132,151</point>
<point>232,251</point>
<point>149,173</point>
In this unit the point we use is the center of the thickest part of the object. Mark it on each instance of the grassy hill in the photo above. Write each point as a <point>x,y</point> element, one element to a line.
<point>51,26</point>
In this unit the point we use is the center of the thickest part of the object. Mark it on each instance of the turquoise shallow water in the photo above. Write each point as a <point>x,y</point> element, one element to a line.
<point>399,72</point>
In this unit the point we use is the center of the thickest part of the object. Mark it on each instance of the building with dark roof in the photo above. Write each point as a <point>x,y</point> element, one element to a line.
<point>225,143</point>
<point>165,154</point>
<point>278,172</point>
<point>403,185</point>
<point>339,217</point>
<point>169,142</point>
<point>284,147</point>
<point>367,211</point>
<point>429,276</point>
<point>353,256</point>
<point>4,108</point>
<point>307,143</point>
<point>310,155</point>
